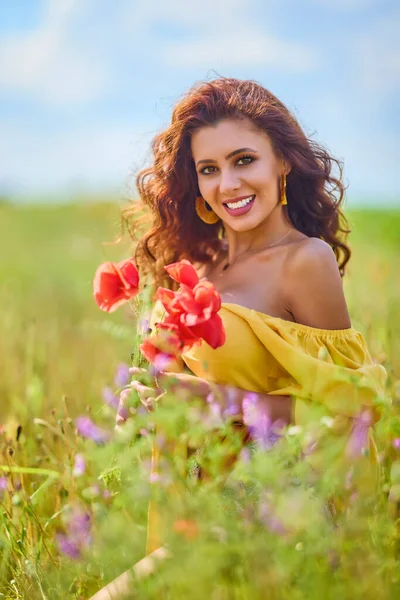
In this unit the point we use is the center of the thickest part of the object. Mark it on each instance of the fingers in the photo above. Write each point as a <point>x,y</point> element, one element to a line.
<point>118,422</point>
<point>123,411</point>
<point>142,375</point>
<point>143,390</point>
<point>183,381</point>
<point>148,396</point>
<point>135,370</point>
<point>146,391</point>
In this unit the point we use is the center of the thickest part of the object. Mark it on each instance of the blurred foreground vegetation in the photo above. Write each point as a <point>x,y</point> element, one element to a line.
<point>58,351</point>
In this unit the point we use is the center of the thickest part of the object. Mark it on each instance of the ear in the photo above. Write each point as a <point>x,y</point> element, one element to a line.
<point>286,167</point>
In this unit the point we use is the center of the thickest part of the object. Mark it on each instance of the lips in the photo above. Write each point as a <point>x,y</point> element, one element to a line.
<point>237,212</point>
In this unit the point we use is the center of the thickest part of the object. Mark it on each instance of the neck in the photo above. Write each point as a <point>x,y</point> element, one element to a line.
<point>265,234</point>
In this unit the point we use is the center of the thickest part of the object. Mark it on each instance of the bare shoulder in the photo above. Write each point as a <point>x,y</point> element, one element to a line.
<point>312,259</point>
<point>313,286</point>
<point>311,249</point>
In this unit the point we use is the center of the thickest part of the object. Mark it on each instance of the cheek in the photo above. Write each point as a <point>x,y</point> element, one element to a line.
<point>206,187</point>
<point>264,174</point>
<point>267,182</point>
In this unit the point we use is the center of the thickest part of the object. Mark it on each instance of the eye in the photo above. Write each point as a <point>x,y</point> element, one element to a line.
<point>204,171</point>
<point>248,159</point>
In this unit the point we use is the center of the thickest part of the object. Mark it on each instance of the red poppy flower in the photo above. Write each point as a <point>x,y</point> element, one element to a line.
<point>183,272</point>
<point>161,349</point>
<point>115,283</point>
<point>192,311</point>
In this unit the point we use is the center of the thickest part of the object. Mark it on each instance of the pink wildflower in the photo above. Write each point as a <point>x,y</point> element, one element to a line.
<point>88,429</point>
<point>79,466</point>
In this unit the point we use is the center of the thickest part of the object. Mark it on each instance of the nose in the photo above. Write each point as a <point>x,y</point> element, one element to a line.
<point>229,182</point>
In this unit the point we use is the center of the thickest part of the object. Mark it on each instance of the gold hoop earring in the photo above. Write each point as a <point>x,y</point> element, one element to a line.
<point>206,214</point>
<point>283,189</point>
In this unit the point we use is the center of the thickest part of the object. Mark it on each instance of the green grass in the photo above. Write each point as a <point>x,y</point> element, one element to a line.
<point>51,330</point>
<point>58,350</point>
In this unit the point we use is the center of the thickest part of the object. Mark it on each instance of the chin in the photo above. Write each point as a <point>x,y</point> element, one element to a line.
<point>241,225</point>
<point>244,226</point>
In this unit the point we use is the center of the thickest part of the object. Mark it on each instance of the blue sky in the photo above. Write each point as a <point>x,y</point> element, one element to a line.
<point>85,84</point>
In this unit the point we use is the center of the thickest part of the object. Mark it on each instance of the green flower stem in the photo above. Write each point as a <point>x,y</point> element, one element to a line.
<point>31,471</point>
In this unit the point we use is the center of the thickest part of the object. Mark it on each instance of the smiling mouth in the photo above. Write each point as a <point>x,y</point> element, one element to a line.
<point>240,203</point>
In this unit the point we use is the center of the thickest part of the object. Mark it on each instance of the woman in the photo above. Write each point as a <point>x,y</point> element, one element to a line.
<point>240,191</point>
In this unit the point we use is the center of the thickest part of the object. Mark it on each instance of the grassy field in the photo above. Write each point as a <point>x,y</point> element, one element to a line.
<point>58,351</point>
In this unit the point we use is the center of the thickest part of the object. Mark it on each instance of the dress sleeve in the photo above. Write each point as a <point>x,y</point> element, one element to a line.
<point>328,367</point>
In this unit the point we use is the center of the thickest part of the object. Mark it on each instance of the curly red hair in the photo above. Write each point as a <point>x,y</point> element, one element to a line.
<point>169,187</point>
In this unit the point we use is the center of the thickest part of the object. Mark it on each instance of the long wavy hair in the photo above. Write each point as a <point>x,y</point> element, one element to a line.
<point>169,187</point>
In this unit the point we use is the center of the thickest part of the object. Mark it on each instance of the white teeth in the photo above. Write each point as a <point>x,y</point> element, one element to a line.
<point>241,203</point>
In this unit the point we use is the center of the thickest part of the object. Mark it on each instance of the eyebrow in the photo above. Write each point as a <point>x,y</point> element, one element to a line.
<point>210,160</point>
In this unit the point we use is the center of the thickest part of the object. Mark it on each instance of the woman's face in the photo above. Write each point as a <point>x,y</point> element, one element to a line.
<point>238,172</point>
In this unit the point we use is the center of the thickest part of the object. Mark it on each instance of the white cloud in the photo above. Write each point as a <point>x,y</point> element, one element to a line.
<point>215,36</point>
<point>92,157</point>
<point>47,65</point>
<point>241,48</point>
<point>73,56</point>
<point>81,50</point>
<point>376,56</point>
<point>348,5</point>
<point>368,150</point>
<point>209,14</point>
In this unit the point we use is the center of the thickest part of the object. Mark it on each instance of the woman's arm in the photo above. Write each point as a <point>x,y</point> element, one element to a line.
<point>228,397</point>
<point>124,584</point>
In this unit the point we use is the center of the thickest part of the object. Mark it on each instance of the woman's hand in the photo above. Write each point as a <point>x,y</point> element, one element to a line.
<point>150,389</point>
<point>146,388</point>
<point>175,382</point>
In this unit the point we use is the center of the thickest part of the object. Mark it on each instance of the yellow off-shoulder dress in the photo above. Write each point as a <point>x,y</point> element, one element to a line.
<point>327,372</point>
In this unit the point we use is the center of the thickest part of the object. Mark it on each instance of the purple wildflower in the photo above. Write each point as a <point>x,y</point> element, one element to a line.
<point>396,443</point>
<point>215,413</point>
<point>68,546</point>
<point>3,486</point>
<point>110,397</point>
<point>232,403</point>
<point>161,363</point>
<point>88,429</point>
<point>79,525</point>
<point>250,410</point>
<point>79,466</point>
<point>144,326</point>
<point>257,420</point>
<point>214,417</point>
<point>122,376</point>
<point>77,536</point>
<point>359,437</point>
